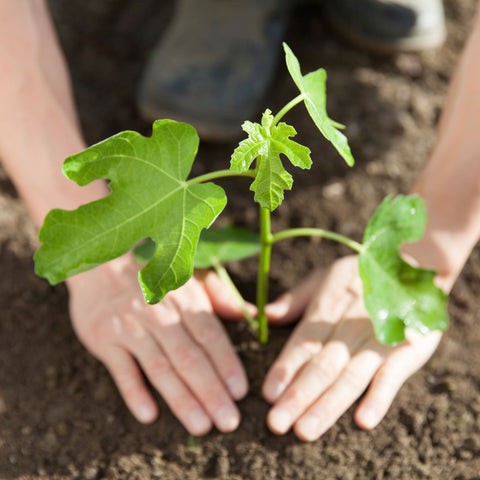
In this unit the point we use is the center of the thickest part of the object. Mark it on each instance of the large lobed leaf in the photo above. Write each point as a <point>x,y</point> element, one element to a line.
<point>149,197</point>
<point>226,244</point>
<point>215,246</point>
<point>396,294</point>
<point>313,87</point>
<point>265,143</point>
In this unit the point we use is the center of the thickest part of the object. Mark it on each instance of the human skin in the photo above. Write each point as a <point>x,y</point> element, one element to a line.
<point>332,356</point>
<point>179,344</point>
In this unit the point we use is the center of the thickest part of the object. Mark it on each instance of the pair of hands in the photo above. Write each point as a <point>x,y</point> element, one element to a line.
<point>180,345</point>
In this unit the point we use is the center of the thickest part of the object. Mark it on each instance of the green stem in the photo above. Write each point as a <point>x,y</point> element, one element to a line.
<point>219,174</point>
<point>288,107</point>
<point>317,232</point>
<point>263,272</point>
<point>223,274</point>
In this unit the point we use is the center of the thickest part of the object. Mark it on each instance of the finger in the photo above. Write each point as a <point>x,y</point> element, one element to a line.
<point>353,380</point>
<point>321,371</point>
<point>305,341</point>
<point>166,381</point>
<point>223,301</point>
<point>193,367</point>
<point>290,306</point>
<point>405,360</point>
<point>314,378</point>
<point>210,334</point>
<point>129,381</point>
<point>327,287</point>
<point>329,304</point>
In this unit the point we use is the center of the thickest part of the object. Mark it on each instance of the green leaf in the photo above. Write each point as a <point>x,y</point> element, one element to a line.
<point>313,88</point>
<point>396,294</point>
<point>225,245</point>
<point>149,197</point>
<point>146,250</point>
<point>249,149</point>
<point>271,181</point>
<point>266,143</point>
<point>215,246</point>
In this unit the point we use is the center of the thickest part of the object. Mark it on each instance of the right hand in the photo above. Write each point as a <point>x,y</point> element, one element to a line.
<point>179,343</point>
<point>333,356</point>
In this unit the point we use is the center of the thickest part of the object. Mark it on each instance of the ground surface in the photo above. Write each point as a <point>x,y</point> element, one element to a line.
<point>60,414</point>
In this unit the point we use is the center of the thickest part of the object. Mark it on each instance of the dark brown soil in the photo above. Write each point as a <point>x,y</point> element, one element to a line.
<point>60,414</point>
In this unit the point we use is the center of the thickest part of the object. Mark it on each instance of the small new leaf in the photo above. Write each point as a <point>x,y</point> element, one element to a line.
<point>396,294</point>
<point>271,181</point>
<point>250,148</point>
<point>149,197</point>
<point>313,88</point>
<point>265,144</point>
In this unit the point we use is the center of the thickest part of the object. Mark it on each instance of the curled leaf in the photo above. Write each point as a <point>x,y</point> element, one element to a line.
<point>313,88</point>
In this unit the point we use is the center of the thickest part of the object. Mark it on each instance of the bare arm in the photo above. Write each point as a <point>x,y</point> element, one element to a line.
<point>450,182</point>
<point>38,124</point>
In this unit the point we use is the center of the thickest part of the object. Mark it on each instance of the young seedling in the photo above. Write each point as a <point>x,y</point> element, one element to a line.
<point>153,197</point>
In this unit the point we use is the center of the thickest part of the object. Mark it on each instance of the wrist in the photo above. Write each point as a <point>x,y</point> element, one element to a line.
<point>451,233</point>
<point>102,276</point>
<point>432,252</point>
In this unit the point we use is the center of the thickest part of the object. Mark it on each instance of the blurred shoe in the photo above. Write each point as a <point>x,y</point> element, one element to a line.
<point>214,64</point>
<point>388,26</point>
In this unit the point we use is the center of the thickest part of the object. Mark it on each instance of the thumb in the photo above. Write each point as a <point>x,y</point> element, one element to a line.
<point>291,305</point>
<point>223,300</point>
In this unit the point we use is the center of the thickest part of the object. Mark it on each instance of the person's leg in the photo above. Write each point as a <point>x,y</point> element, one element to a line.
<point>388,26</point>
<point>213,64</point>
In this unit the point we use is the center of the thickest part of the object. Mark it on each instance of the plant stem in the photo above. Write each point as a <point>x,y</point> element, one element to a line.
<point>223,274</point>
<point>317,232</point>
<point>219,174</point>
<point>287,108</point>
<point>263,271</point>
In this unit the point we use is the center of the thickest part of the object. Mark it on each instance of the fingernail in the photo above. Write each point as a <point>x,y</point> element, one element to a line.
<point>276,309</point>
<point>309,428</point>
<point>227,419</point>
<point>280,420</point>
<point>274,389</point>
<point>368,418</point>
<point>199,422</point>
<point>237,386</point>
<point>145,413</point>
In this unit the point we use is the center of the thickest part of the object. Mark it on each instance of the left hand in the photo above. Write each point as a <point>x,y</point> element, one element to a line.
<point>332,356</point>
<point>179,344</point>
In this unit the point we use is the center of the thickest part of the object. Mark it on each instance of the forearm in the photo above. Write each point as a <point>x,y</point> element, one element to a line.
<point>450,182</point>
<point>38,124</point>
